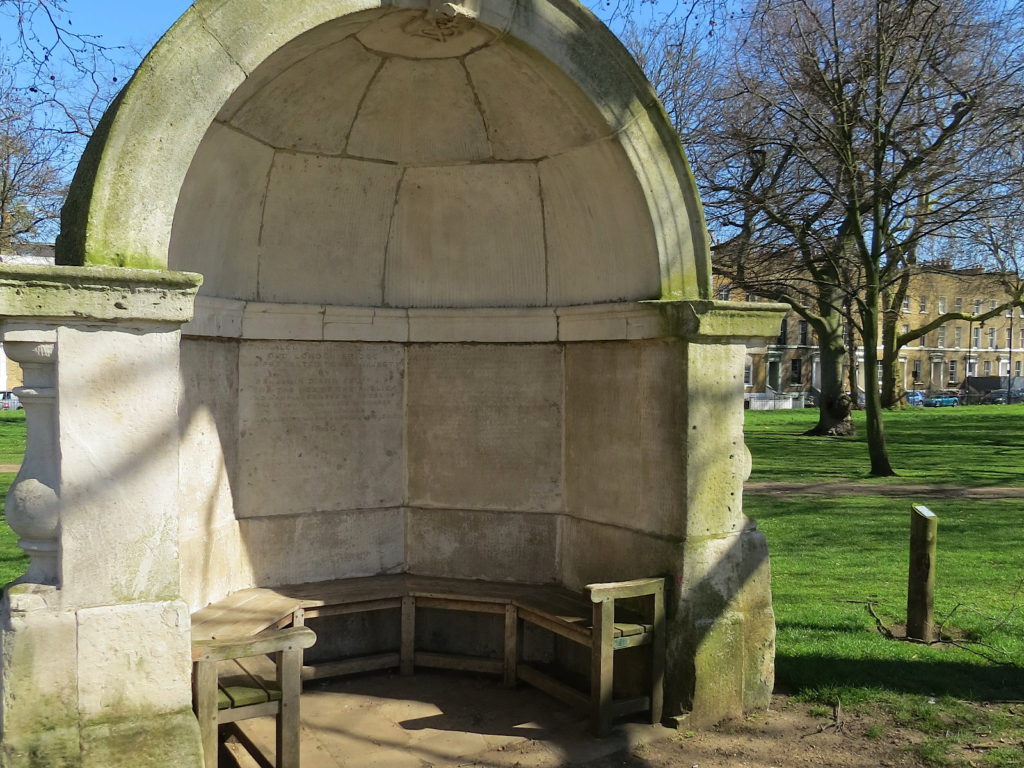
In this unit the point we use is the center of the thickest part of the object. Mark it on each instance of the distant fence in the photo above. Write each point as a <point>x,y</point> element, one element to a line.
<point>775,401</point>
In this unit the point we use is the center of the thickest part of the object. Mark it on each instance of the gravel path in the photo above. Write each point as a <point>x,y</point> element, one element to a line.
<point>898,490</point>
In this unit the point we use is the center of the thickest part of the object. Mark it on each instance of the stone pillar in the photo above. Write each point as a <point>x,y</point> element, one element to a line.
<point>722,627</point>
<point>96,664</point>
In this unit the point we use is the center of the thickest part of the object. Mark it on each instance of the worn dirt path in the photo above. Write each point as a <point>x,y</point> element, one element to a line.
<point>898,490</point>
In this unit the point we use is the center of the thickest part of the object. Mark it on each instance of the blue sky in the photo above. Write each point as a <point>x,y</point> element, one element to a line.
<point>138,23</point>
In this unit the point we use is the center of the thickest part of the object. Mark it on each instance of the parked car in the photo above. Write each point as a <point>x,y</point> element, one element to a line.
<point>999,397</point>
<point>942,400</point>
<point>915,397</point>
<point>9,401</point>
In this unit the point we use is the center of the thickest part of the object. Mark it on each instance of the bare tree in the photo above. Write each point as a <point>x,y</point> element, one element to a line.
<point>33,165</point>
<point>68,76</point>
<point>847,133</point>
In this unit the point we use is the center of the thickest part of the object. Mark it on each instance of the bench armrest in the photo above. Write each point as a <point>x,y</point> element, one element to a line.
<point>270,641</point>
<point>615,590</point>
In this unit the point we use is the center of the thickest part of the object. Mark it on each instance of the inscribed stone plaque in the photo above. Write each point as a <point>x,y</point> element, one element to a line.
<point>485,426</point>
<point>320,427</point>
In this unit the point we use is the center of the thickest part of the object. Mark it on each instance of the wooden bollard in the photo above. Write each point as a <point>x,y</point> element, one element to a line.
<point>924,526</point>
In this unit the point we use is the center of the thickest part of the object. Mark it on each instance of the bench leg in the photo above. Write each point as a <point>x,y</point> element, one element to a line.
<point>205,694</point>
<point>289,677</point>
<point>408,651</point>
<point>601,667</point>
<point>658,659</point>
<point>511,644</point>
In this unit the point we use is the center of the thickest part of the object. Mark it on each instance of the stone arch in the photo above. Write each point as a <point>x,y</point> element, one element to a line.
<point>122,204</point>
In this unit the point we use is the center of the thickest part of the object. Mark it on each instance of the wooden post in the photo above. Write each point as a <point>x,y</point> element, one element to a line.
<point>601,670</point>
<point>511,644</point>
<point>205,694</point>
<point>408,651</point>
<point>921,583</point>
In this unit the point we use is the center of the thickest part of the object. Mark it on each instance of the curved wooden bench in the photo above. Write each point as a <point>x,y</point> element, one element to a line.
<point>591,619</point>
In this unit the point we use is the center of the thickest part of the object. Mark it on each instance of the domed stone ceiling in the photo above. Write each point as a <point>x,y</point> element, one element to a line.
<point>414,159</point>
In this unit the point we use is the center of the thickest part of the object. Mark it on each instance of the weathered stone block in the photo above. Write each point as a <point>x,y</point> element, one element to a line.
<point>310,107</point>
<point>208,417</point>
<point>624,450</point>
<point>220,209</point>
<point>485,427</point>
<point>515,86</point>
<point>118,393</point>
<point>320,427</point>
<point>623,554</point>
<point>500,546</point>
<point>420,112</point>
<point>453,245</point>
<point>601,245</point>
<point>133,660</point>
<point>39,715</point>
<point>315,547</point>
<point>327,217</point>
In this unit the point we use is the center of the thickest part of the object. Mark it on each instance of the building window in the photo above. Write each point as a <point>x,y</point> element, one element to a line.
<point>751,297</point>
<point>986,368</point>
<point>916,373</point>
<point>1009,311</point>
<point>782,332</point>
<point>992,304</point>
<point>940,337</point>
<point>972,366</point>
<point>958,336</point>
<point>952,371</point>
<point>923,301</point>
<point>958,304</point>
<point>906,303</point>
<point>724,293</point>
<point>878,370</point>
<point>992,344</point>
<point>1009,337</point>
<point>977,306</point>
<point>1016,368</point>
<point>923,340</point>
<point>748,372</point>
<point>796,370</point>
<point>1022,337</point>
<point>905,329</point>
<point>976,341</point>
<point>942,305</point>
<point>803,333</point>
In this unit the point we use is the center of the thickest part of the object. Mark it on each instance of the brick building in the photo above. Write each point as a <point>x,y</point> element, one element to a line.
<point>939,360</point>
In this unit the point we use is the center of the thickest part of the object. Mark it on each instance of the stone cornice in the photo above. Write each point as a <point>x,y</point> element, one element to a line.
<point>723,321</point>
<point>106,294</point>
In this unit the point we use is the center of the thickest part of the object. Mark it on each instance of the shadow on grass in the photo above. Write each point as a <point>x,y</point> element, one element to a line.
<point>798,674</point>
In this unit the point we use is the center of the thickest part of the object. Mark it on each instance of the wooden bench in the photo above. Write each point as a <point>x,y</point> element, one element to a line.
<point>590,619</point>
<point>234,680</point>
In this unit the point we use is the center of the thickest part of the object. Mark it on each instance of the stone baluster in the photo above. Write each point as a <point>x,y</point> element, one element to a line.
<point>33,500</point>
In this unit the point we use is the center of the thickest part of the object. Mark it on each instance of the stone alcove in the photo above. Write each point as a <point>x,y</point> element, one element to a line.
<point>454,321</point>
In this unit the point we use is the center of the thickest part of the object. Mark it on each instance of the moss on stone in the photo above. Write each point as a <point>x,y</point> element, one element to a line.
<point>99,293</point>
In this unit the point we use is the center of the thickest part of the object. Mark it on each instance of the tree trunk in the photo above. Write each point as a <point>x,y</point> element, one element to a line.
<point>834,405</point>
<point>880,466</point>
<point>851,353</point>
<point>890,395</point>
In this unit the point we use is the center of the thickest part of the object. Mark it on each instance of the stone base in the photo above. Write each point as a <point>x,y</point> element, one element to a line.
<point>722,636</point>
<point>104,687</point>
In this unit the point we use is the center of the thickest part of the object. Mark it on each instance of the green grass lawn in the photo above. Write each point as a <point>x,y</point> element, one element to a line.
<point>13,561</point>
<point>833,555</point>
<point>12,436</point>
<point>980,445</point>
